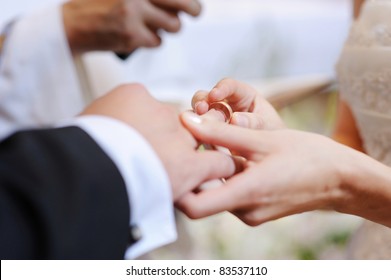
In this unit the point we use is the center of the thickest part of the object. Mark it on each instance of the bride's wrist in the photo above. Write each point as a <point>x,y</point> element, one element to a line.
<point>365,187</point>
<point>350,170</point>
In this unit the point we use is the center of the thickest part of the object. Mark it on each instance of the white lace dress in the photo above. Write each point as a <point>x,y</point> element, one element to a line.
<point>364,74</point>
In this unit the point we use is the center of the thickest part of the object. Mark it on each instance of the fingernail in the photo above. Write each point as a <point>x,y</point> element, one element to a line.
<point>240,120</point>
<point>191,117</point>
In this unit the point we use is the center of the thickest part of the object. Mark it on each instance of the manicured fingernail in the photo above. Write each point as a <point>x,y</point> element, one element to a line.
<point>240,120</point>
<point>191,117</point>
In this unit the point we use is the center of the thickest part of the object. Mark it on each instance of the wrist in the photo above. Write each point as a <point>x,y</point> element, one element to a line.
<point>348,168</point>
<point>365,186</point>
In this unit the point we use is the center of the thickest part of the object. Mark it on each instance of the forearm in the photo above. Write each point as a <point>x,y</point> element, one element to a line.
<point>366,184</point>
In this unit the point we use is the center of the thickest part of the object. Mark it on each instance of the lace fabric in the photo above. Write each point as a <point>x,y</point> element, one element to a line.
<point>369,90</point>
<point>364,75</point>
<point>373,28</point>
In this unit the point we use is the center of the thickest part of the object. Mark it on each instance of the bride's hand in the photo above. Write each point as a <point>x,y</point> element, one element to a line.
<point>251,110</point>
<point>287,172</point>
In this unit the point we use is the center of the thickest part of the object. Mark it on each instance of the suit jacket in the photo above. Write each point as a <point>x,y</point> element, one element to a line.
<point>61,197</point>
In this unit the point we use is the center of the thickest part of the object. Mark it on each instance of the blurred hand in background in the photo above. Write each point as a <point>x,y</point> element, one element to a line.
<point>122,25</point>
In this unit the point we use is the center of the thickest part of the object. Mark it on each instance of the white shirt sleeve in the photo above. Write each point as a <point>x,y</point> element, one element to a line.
<point>146,180</point>
<point>38,79</point>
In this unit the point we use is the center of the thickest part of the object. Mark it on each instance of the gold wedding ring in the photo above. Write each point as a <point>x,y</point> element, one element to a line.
<point>224,108</point>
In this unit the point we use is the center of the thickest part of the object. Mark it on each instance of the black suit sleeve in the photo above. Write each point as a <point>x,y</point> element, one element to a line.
<point>61,197</point>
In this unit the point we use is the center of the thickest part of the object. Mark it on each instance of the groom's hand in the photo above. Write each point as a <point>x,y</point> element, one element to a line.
<point>159,124</point>
<point>122,25</point>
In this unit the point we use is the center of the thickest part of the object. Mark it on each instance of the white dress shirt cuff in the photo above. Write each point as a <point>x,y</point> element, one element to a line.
<point>147,182</point>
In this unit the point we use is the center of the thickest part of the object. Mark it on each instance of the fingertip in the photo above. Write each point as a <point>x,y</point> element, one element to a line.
<point>199,96</point>
<point>152,40</point>
<point>174,25</point>
<point>201,107</point>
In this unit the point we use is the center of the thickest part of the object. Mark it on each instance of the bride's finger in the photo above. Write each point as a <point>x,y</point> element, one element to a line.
<point>199,102</point>
<point>227,197</point>
<point>246,142</point>
<point>237,94</point>
<point>248,120</point>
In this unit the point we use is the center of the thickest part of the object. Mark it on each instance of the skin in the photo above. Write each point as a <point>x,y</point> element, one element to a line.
<point>122,25</point>
<point>159,124</point>
<point>250,109</point>
<point>287,172</point>
<point>311,180</point>
<point>288,177</point>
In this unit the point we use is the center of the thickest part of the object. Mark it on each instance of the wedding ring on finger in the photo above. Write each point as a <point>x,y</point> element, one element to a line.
<point>224,108</point>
